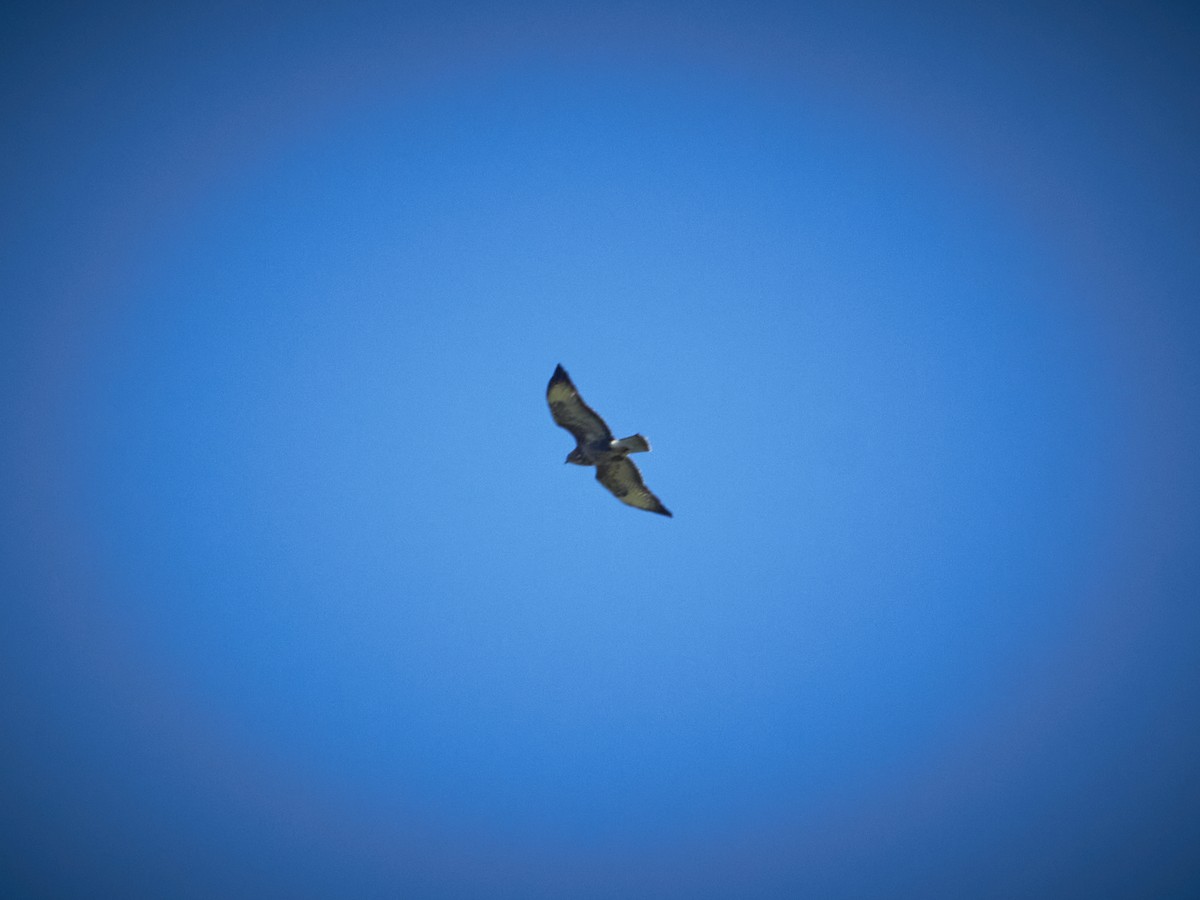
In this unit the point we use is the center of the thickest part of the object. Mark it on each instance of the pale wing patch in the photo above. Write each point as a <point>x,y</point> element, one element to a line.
<point>623,478</point>
<point>568,410</point>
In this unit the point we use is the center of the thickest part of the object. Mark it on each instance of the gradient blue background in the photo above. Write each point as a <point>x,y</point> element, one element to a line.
<point>300,600</point>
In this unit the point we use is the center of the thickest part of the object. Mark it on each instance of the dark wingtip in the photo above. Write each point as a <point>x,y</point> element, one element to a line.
<point>663,511</point>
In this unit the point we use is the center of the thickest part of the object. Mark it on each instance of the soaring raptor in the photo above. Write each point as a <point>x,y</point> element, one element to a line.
<point>596,446</point>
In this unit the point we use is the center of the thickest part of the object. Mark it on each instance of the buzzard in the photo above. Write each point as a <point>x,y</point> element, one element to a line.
<point>596,446</point>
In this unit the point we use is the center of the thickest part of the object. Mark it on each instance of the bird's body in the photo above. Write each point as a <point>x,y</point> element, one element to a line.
<point>596,446</point>
<point>605,450</point>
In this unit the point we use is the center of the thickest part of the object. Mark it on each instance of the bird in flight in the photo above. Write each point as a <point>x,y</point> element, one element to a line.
<point>596,446</point>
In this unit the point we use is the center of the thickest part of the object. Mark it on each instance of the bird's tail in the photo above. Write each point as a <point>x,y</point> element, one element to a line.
<point>633,444</point>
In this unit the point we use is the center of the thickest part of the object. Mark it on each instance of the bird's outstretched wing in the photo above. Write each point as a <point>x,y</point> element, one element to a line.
<point>622,477</point>
<point>569,410</point>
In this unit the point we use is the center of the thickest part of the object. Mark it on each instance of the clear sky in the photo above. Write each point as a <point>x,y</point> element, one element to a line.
<point>300,599</point>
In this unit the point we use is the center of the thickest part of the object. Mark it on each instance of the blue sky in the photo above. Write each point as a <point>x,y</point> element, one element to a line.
<point>302,600</point>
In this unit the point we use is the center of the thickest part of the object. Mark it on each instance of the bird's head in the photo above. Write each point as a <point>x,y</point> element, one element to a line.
<point>576,457</point>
